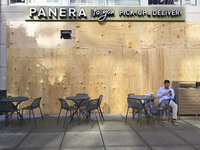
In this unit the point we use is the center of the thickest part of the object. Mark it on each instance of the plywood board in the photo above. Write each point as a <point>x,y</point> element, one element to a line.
<point>112,59</point>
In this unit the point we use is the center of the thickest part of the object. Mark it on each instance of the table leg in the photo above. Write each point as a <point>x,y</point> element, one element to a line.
<point>7,117</point>
<point>79,114</point>
<point>21,117</point>
<point>83,113</point>
<point>18,113</point>
<point>72,116</point>
<point>78,111</point>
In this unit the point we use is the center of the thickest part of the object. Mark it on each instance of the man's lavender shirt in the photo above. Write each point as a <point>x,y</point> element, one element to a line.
<point>163,97</point>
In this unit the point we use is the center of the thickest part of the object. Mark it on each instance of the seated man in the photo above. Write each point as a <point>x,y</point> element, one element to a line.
<point>167,94</point>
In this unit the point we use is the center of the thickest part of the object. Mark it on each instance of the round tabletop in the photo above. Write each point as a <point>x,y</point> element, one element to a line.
<point>143,97</point>
<point>14,99</point>
<point>78,98</point>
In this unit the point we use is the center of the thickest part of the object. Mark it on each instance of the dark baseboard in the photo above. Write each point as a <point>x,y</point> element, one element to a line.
<point>3,93</point>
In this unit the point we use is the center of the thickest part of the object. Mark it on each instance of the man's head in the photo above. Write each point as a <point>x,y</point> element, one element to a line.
<point>166,84</point>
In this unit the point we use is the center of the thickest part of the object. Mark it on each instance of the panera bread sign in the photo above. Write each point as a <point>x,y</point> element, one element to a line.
<point>105,14</point>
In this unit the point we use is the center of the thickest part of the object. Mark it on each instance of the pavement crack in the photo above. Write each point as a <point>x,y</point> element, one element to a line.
<point>63,137</point>
<point>137,132</point>
<point>181,138</point>
<point>100,132</point>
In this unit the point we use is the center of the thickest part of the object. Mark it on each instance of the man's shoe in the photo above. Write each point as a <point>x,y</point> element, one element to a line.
<point>175,122</point>
<point>164,120</point>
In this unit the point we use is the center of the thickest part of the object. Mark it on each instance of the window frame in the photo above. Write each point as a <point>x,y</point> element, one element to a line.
<point>45,4</point>
<point>142,3</point>
<point>123,5</point>
<point>38,4</point>
<point>181,5</point>
<point>14,4</point>
<point>73,4</point>
<point>196,1</point>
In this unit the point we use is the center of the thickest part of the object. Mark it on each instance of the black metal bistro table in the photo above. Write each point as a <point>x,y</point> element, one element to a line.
<point>146,98</point>
<point>78,100</point>
<point>10,101</point>
<point>143,97</point>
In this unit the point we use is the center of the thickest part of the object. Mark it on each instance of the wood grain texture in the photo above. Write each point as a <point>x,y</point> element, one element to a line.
<point>112,59</point>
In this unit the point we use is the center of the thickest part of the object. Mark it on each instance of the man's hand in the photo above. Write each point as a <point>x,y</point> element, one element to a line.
<point>165,93</point>
<point>170,93</point>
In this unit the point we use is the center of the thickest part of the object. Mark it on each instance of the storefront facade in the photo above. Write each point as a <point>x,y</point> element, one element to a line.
<point>55,50</point>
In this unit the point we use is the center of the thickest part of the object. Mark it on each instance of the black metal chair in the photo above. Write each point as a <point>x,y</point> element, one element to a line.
<point>34,105</point>
<point>6,108</point>
<point>136,104</point>
<point>130,95</point>
<point>65,106</point>
<point>85,102</point>
<point>169,109</point>
<point>152,110</point>
<point>162,108</point>
<point>92,105</point>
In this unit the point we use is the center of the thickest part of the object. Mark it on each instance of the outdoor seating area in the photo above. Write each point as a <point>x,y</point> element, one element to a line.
<point>73,128</point>
<point>82,105</point>
<point>114,134</point>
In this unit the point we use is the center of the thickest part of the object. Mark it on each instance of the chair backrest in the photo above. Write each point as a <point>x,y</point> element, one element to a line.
<point>63,103</point>
<point>36,102</point>
<point>81,94</point>
<point>100,100</point>
<point>163,105</point>
<point>93,104</point>
<point>130,95</point>
<point>135,103</point>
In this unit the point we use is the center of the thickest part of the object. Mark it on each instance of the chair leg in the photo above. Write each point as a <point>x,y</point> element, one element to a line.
<point>70,116</point>
<point>11,117</point>
<point>30,114</point>
<point>101,113</point>
<point>169,115</point>
<point>34,117</point>
<point>160,118</point>
<point>161,115</point>
<point>59,115</point>
<point>133,113</point>
<point>89,117</point>
<point>148,117</point>
<point>41,113</point>
<point>65,119</point>
<point>153,119</point>
<point>140,118</point>
<point>126,115</point>
<point>23,116</point>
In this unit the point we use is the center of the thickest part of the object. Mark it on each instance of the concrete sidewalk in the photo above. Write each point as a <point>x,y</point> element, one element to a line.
<point>114,134</point>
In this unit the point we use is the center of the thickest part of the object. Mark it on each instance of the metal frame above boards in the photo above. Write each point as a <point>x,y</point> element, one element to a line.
<point>54,13</point>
